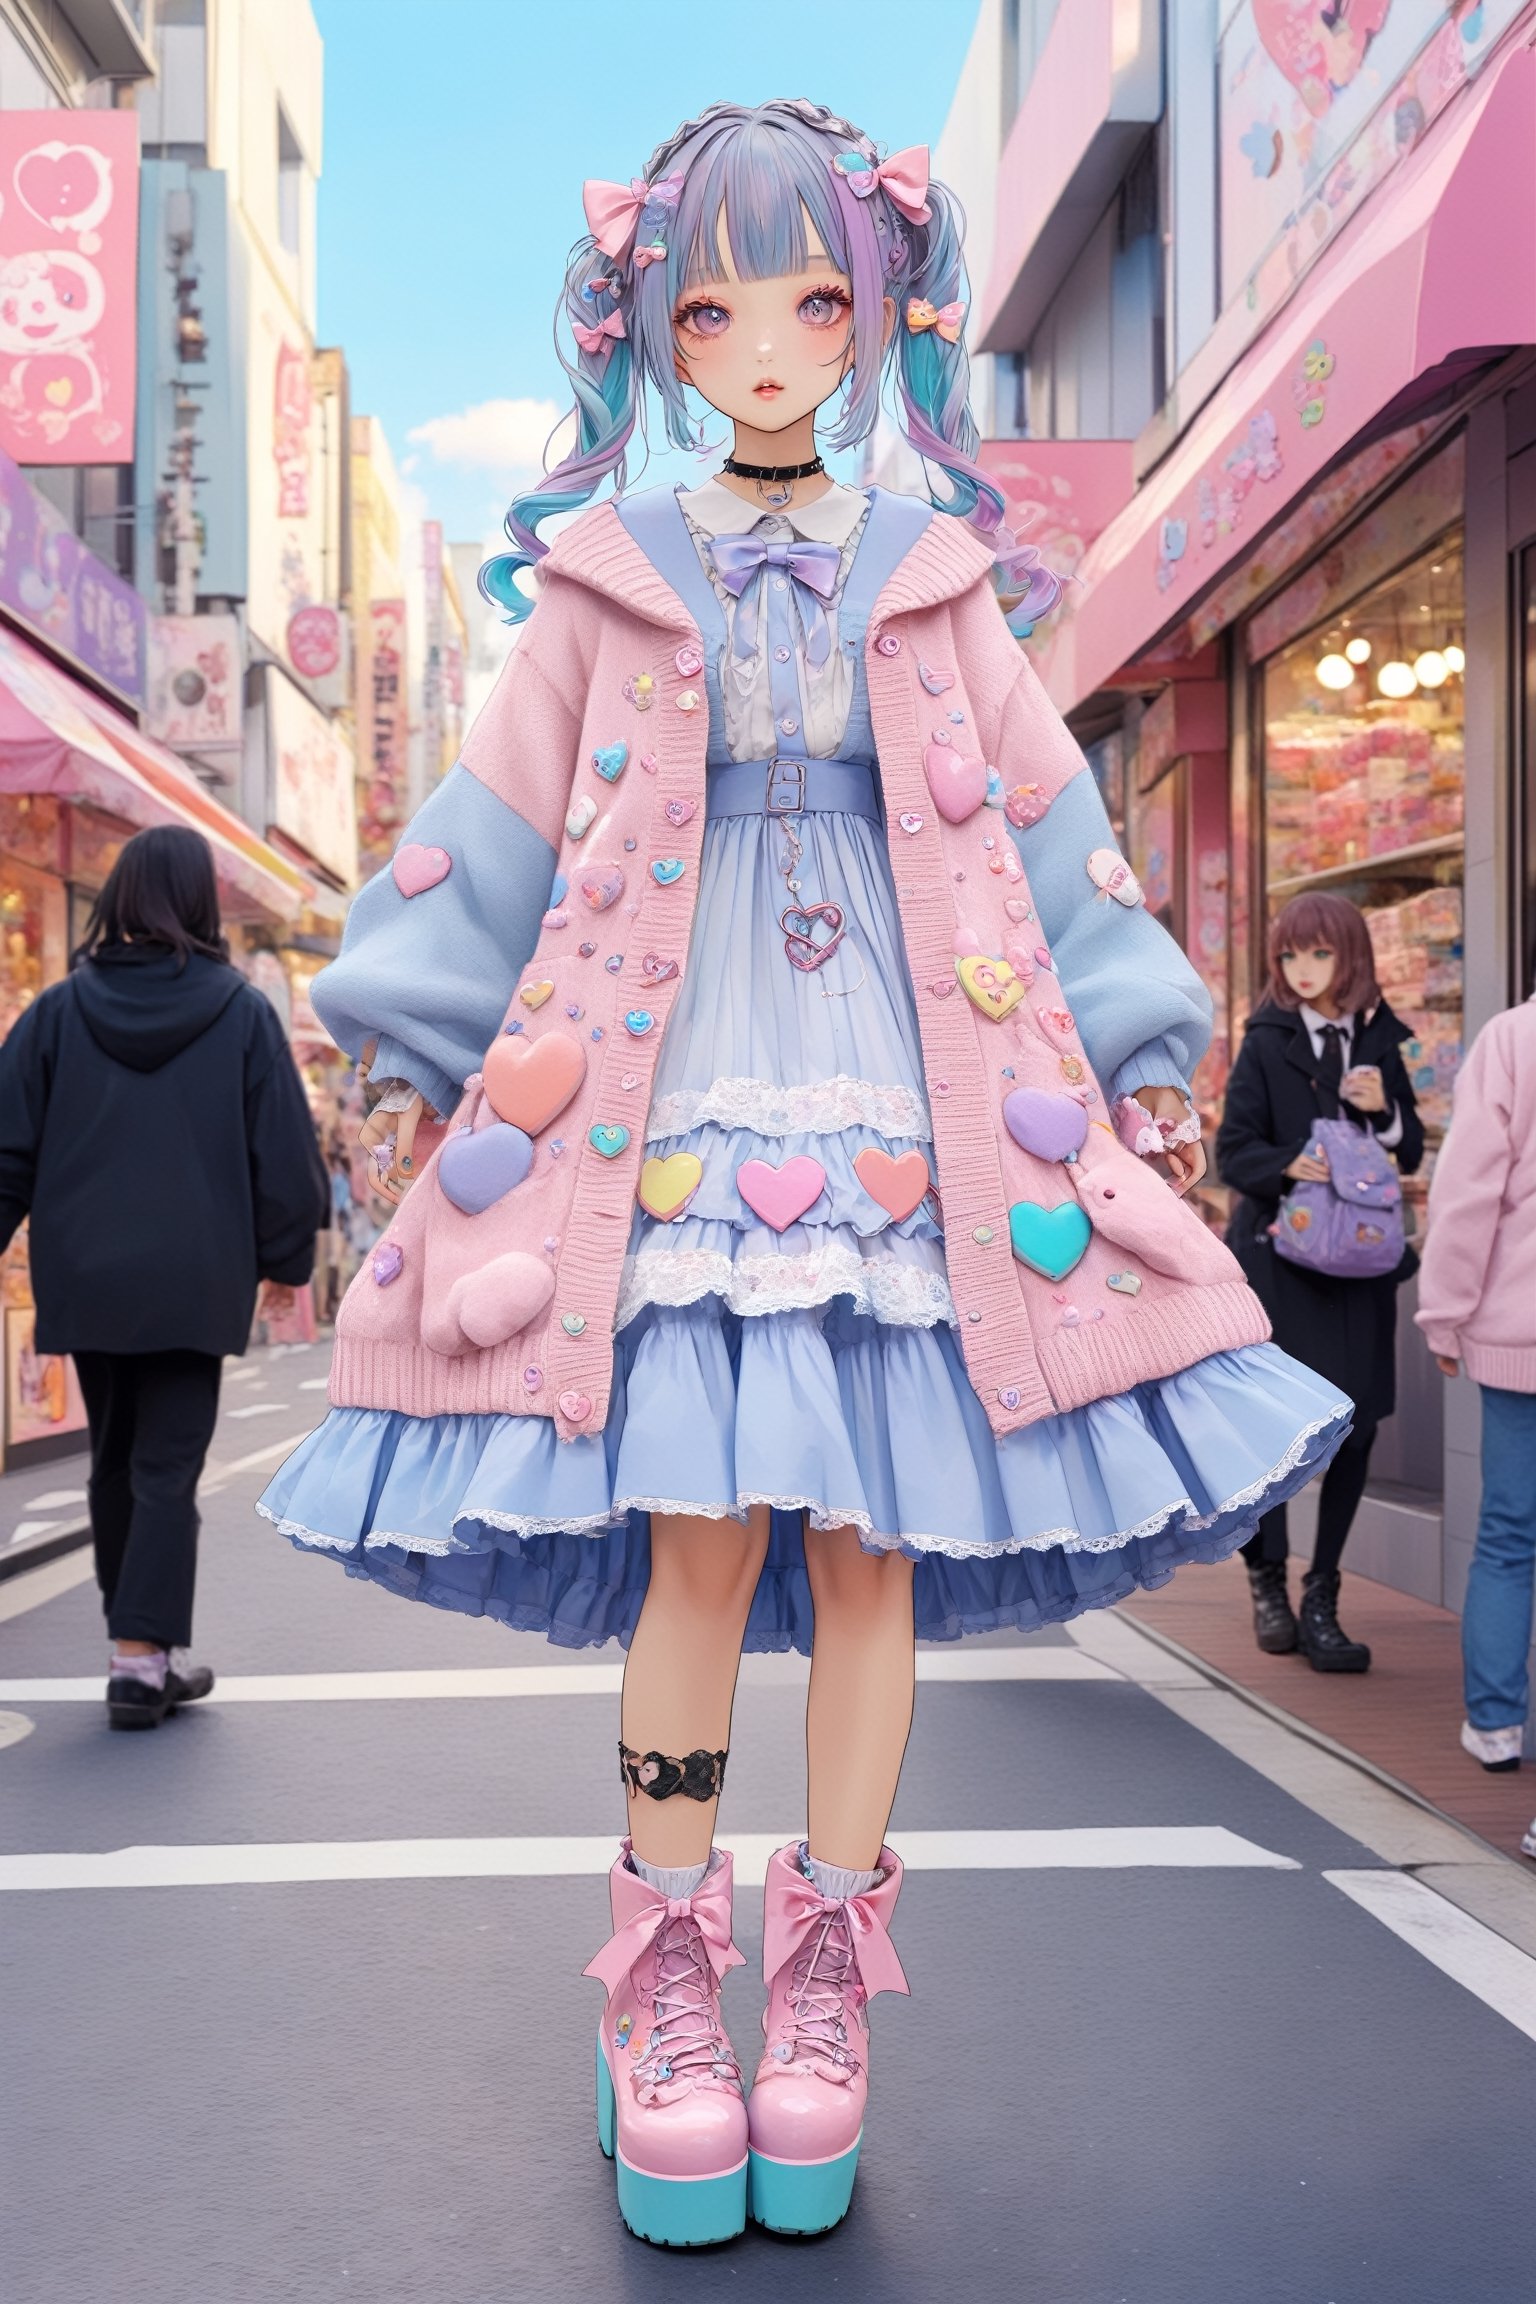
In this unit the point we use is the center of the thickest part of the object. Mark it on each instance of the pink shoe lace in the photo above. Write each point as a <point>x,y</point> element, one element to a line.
<point>687,2047</point>
<point>825,1987</point>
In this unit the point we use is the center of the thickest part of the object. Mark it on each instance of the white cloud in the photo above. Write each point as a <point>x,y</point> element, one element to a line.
<point>505,437</point>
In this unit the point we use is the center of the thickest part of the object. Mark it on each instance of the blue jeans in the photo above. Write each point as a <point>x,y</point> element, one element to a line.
<point>1496,1622</point>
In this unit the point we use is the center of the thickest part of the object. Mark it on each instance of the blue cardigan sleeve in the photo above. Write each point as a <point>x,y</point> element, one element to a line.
<point>431,974</point>
<point>1142,1012</point>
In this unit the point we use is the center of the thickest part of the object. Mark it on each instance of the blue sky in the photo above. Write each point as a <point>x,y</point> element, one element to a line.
<point>457,135</point>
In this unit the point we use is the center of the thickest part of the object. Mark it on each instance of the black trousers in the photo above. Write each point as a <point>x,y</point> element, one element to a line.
<point>151,1416</point>
<point>1337,1503</point>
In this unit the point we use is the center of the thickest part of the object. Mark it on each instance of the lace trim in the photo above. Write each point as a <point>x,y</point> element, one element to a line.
<point>818,1108</point>
<point>899,1295</point>
<point>1293,1456</point>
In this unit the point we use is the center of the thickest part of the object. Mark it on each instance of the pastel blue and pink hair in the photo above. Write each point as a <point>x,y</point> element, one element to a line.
<point>768,167</point>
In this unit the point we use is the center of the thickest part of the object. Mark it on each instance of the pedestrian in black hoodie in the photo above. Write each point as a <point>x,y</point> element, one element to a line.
<point>154,1129</point>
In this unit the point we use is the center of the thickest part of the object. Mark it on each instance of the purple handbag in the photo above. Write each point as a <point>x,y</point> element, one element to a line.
<point>1352,1226</point>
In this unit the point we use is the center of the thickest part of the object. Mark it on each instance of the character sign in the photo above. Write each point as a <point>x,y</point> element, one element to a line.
<point>68,262</point>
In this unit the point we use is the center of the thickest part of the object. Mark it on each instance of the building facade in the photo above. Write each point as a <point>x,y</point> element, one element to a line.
<point>1255,304</point>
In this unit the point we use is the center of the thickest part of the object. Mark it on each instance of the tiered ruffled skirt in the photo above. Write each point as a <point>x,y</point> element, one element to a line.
<point>815,1368</point>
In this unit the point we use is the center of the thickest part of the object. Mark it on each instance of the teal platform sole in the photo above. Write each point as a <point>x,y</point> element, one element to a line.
<point>800,2196</point>
<point>671,2211</point>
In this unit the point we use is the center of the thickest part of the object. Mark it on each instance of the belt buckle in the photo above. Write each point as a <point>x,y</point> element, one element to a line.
<point>785,775</point>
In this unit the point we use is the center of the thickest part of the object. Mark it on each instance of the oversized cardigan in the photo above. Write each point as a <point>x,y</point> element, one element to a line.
<point>1477,1288</point>
<point>588,762</point>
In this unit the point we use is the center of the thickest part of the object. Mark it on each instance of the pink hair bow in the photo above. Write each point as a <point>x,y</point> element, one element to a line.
<point>948,319</point>
<point>903,179</point>
<point>613,210</point>
<point>607,332</point>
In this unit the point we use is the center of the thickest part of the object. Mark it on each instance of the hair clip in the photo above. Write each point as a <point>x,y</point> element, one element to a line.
<point>603,337</point>
<point>903,179</point>
<point>613,211</point>
<point>948,319</point>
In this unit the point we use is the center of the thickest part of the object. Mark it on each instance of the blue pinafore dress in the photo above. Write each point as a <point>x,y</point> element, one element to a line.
<point>809,1364</point>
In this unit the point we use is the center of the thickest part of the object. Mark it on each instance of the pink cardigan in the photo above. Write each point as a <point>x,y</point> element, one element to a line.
<point>1477,1290</point>
<point>512,1310</point>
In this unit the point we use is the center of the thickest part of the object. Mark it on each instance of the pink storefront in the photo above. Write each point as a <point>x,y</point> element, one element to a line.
<point>1300,646</point>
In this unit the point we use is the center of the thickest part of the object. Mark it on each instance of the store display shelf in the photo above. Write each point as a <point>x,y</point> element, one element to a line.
<point>1422,852</point>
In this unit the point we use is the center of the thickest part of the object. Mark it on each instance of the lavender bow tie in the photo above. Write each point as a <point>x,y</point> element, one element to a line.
<point>739,559</point>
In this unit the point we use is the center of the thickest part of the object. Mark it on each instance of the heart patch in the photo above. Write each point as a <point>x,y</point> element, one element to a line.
<point>1112,876</point>
<point>416,869</point>
<point>601,885</point>
<point>608,1138</point>
<point>910,821</point>
<point>936,683</point>
<point>1051,1241</point>
<point>529,1081</point>
<point>958,785</point>
<point>678,812</point>
<point>1058,1024</point>
<point>655,970</point>
<point>666,1186</point>
<point>535,995</point>
<point>1052,1127</point>
<point>1124,1283</point>
<point>480,1166</point>
<point>610,761</point>
<point>639,1021</point>
<point>574,1323</point>
<point>666,870</point>
<point>575,1407</point>
<point>781,1196</point>
<point>1025,805</point>
<point>895,1183</point>
<point>579,816</point>
<point>990,985</point>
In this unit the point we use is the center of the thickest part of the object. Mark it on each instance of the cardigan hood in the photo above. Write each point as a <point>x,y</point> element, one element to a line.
<point>496,1287</point>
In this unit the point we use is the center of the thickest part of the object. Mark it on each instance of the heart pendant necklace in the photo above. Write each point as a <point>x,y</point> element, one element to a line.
<point>812,931</point>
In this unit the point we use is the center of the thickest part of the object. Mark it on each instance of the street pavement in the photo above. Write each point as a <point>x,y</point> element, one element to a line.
<point>291,2003</point>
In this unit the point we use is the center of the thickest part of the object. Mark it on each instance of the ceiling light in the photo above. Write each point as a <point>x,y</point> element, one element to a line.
<point>1358,650</point>
<point>1335,672</point>
<point>1431,669</point>
<point>1396,680</point>
<point>1455,658</point>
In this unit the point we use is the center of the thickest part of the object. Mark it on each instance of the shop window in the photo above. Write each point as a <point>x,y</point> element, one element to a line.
<point>33,928</point>
<point>1363,787</point>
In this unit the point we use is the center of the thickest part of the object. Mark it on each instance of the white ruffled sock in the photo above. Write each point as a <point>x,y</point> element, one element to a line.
<point>675,1880</point>
<point>836,1879</point>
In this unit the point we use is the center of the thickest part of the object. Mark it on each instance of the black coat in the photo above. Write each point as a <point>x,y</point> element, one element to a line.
<point>1344,1329</point>
<point>154,1128</point>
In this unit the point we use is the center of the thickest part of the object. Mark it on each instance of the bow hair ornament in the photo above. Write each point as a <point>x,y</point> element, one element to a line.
<point>613,212</point>
<point>903,179</point>
<point>603,337</point>
<point>948,319</point>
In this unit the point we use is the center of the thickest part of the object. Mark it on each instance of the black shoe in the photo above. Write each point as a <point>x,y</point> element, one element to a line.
<point>1326,1646</point>
<point>1274,1624</point>
<point>186,1682</point>
<point>132,1703</point>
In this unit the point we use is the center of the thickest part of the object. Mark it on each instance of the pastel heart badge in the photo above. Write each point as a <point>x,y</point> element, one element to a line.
<point>416,868</point>
<point>574,1323</point>
<point>667,870</point>
<point>1052,1127</point>
<point>910,821</point>
<point>1058,1024</point>
<point>937,683</point>
<point>678,812</point>
<point>480,1166</point>
<point>990,985</point>
<point>1112,876</point>
<point>1051,1241</point>
<point>656,970</point>
<point>639,1021</point>
<point>580,816</point>
<point>1124,1283</point>
<point>575,1407</point>
<point>529,1082</point>
<point>535,995</point>
<point>895,1182</point>
<point>600,886</point>
<point>608,1138</point>
<point>388,1264</point>
<point>610,761</point>
<point>781,1196</point>
<point>666,1186</point>
<point>958,785</point>
<point>1025,805</point>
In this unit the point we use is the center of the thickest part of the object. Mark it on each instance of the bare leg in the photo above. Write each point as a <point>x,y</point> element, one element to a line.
<point>860,1710</point>
<point>681,1676</point>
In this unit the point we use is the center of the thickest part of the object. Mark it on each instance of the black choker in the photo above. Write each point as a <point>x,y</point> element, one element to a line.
<point>772,471</point>
<point>779,478</point>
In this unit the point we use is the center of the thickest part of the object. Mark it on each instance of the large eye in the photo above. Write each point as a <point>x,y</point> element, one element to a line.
<point>705,319</point>
<point>823,308</point>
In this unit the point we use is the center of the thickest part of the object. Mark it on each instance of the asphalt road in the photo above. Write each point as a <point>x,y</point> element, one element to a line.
<point>291,2004</point>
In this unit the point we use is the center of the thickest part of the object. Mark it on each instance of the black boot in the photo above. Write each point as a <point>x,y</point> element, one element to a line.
<point>1274,1625</point>
<point>1326,1646</point>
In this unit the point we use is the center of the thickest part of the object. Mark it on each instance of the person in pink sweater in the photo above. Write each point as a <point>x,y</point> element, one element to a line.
<point>1477,1308</point>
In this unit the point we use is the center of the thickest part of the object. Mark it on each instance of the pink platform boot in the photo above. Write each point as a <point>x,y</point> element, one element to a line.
<point>824,1959</point>
<point>669,2093</point>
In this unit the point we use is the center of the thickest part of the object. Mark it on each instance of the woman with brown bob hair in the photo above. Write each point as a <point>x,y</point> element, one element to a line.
<point>1323,1045</point>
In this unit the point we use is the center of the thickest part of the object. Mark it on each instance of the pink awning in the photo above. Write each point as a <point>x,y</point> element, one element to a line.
<point>56,737</point>
<point>1440,265</point>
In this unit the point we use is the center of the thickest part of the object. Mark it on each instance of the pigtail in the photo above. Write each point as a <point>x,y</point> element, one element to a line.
<point>598,300</point>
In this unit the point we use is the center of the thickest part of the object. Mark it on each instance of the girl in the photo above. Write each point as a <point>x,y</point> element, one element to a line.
<point>769,901</point>
<point>1323,1042</point>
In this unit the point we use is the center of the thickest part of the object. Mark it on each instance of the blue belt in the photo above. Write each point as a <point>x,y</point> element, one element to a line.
<point>784,787</point>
